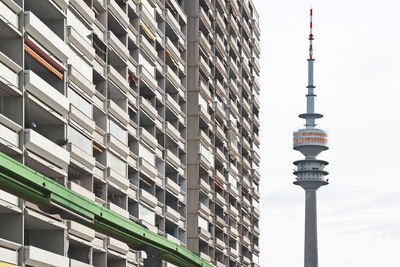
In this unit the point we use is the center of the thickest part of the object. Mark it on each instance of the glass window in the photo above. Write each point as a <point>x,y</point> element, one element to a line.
<point>203,223</point>
<point>80,102</point>
<point>116,130</point>
<point>116,164</point>
<point>146,214</point>
<point>80,140</point>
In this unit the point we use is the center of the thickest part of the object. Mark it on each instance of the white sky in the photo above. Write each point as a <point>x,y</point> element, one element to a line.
<point>357,74</point>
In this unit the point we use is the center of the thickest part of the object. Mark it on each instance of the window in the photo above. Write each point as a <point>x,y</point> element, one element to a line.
<point>116,164</point>
<point>80,140</point>
<point>203,223</point>
<point>116,130</point>
<point>80,102</point>
<point>146,214</point>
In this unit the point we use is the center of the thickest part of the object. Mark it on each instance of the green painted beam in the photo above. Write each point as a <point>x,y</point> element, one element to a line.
<point>28,184</point>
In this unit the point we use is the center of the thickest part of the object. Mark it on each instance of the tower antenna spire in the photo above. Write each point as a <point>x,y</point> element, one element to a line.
<point>311,36</point>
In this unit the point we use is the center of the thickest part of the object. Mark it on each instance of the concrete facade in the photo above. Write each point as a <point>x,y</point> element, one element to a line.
<point>223,127</point>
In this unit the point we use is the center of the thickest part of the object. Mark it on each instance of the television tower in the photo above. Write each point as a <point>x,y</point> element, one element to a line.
<point>310,141</point>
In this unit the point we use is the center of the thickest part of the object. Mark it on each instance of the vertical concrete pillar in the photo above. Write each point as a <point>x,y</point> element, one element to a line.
<point>310,241</point>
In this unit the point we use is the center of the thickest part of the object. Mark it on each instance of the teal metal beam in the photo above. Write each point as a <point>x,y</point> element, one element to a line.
<point>51,196</point>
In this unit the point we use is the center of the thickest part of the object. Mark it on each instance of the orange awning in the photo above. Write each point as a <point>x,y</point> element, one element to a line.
<point>43,62</point>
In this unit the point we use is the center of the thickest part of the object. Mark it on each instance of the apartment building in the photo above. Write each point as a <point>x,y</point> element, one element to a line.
<point>147,107</point>
<point>93,95</point>
<point>223,131</point>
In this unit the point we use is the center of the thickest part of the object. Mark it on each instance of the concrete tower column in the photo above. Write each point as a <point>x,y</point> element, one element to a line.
<point>310,240</point>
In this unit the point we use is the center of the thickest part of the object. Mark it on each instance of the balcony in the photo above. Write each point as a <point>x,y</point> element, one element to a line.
<point>8,137</point>
<point>204,42</point>
<point>233,190</point>
<point>203,209</point>
<point>117,145</point>
<point>172,77</point>
<point>46,93</point>
<point>83,9</point>
<point>172,22</point>
<point>76,263</point>
<point>39,257</point>
<point>220,89</point>
<point>80,230</point>
<point>81,191</point>
<point>120,81</point>
<point>81,43</point>
<point>221,23</point>
<point>220,199</point>
<point>9,15</point>
<point>233,66</point>
<point>148,108</point>
<point>221,67</point>
<point>148,16</point>
<point>147,168</point>
<point>172,158</point>
<point>205,115</point>
<point>205,186</point>
<point>117,45</point>
<point>233,232</point>
<point>118,112</point>
<point>234,26</point>
<point>39,30</point>
<point>233,211</point>
<point>46,148</point>
<point>220,244</point>
<point>148,137</point>
<point>147,197</point>
<point>118,13</point>
<point>81,118</point>
<point>81,156</point>
<point>172,104</point>
<point>204,137</point>
<point>256,46</point>
<point>117,179</point>
<point>246,106</point>
<point>117,209</point>
<point>171,185</point>
<point>81,81</point>
<point>172,214</point>
<point>206,21</point>
<point>148,78</point>
<point>234,88</point>
<point>117,245</point>
<point>205,67</point>
<point>9,72</point>
<point>204,234</point>
<point>172,131</point>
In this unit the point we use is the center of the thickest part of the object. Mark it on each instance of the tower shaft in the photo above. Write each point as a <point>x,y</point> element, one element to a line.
<point>310,240</point>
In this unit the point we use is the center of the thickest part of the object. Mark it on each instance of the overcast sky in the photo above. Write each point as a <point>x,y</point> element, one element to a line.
<point>357,78</point>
